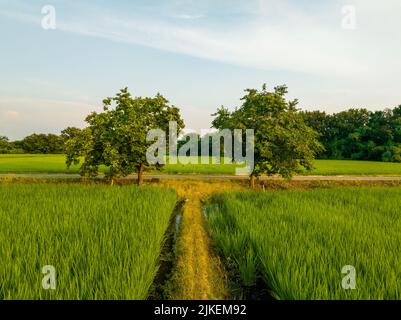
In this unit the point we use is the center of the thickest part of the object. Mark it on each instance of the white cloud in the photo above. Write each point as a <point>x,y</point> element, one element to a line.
<point>285,38</point>
<point>20,16</point>
<point>362,65</point>
<point>278,35</point>
<point>185,16</point>
<point>256,45</point>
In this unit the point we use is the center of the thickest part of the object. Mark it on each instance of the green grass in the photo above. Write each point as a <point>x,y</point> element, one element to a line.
<point>352,167</point>
<point>299,241</point>
<point>56,164</point>
<point>34,163</point>
<point>103,241</point>
<point>25,163</point>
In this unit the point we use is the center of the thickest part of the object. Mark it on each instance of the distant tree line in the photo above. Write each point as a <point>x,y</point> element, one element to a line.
<point>358,134</point>
<point>54,144</point>
<point>37,143</point>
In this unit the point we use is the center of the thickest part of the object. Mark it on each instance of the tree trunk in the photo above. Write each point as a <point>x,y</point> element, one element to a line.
<point>252,181</point>
<point>111,176</point>
<point>140,174</point>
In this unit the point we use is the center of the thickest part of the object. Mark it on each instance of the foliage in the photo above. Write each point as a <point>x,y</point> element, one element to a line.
<point>4,145</point>
<point>358,134</point>
<point>299,241</point>
<point>117,137</point>
<point>33,144</point>
<point>70,133</point>
<point>104,242</point>
<point>283,143</point>
<point>41,144</point>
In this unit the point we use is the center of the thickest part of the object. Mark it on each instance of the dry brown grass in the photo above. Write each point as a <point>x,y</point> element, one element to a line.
<point>313,184</point>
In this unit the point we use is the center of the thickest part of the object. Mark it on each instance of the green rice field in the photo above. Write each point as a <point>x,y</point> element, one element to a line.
<point>297,242</point>
<point>104,242</point>
<point>25,163</point>
<point>56,164</point>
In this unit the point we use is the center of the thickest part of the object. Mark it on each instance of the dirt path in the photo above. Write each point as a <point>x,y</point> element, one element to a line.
<point>206,177</point>
<point>198,273</point>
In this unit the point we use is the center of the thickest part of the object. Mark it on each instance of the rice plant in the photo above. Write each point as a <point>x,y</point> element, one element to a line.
<point>104,242</point>
<point>299,241</point>
<point>55,163</point>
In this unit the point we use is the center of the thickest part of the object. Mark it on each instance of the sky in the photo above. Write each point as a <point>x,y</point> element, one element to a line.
<point>332,55</point>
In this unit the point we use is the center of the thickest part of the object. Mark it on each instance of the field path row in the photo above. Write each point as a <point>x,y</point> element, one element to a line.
<point>198,273</point>
<point>206,177</point>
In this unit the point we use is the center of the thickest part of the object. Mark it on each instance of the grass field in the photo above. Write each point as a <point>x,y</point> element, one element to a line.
<point>56,164</point>
<point>104,242</point>
<point>351,167</point>
<point>299,241</point>
<point>25,163</point>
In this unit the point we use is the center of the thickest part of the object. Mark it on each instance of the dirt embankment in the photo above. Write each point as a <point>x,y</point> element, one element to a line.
<point>198,274</point>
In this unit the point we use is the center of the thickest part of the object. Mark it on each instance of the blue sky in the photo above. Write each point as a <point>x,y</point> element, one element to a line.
<point>199,54</point>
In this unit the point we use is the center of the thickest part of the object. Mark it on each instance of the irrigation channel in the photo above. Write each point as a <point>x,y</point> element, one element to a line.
<point>160,287</point>
<point>190,267</point>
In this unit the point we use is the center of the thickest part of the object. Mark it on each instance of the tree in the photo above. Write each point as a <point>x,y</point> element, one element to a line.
<point>283,142</point>
<point>323,124</point>
<point>42,143</point>
<point>70,133</point>
<point>4,145</point>
<point>117,137</point>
